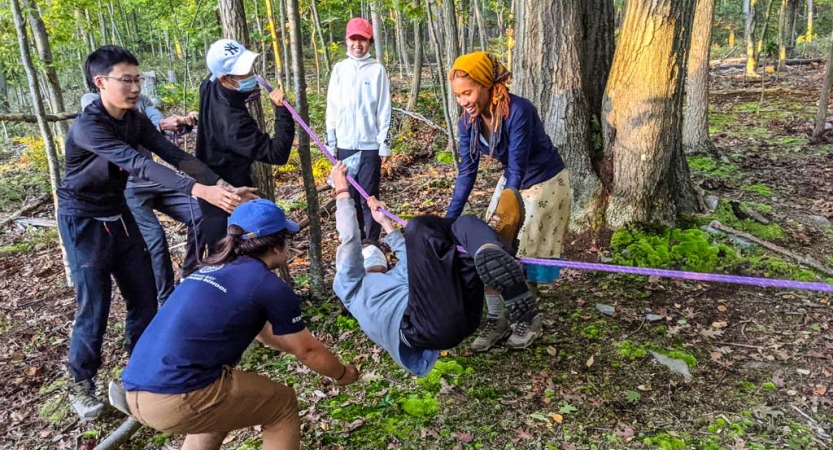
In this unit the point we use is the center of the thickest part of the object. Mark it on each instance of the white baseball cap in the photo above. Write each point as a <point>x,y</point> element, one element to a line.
<point>229,57</point>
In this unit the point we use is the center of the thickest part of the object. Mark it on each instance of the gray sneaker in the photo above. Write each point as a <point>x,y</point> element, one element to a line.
<point>83,399</point>
<point>492,333</point>
<point>525,333</point>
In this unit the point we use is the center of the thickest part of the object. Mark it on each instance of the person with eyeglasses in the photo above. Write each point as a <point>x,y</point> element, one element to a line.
<point>96,226</point>
<point>228,138</point>
<point>146,196</point>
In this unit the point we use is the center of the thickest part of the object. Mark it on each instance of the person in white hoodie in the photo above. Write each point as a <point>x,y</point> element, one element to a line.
<point>358,117</point>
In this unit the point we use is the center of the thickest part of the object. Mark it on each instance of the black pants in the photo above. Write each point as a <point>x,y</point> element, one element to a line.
<point>368,176</point>
<point>97,250</point>
<point>214,227</point>
<point>445,298</point>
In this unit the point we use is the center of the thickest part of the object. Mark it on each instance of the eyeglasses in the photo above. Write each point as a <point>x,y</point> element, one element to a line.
<point>127,81</point>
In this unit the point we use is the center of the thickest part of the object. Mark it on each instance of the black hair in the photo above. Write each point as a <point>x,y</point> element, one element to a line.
<point>234,246</point>
<point>101,62</point>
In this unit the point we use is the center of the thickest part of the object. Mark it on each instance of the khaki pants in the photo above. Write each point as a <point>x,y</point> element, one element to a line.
<point>236,400</point>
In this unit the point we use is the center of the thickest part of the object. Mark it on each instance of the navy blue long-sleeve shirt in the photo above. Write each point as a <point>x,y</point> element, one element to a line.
<point>523,147</point>
<point>101,153</point>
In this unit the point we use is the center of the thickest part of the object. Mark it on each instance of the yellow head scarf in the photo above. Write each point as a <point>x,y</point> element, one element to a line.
<point>488,71</point>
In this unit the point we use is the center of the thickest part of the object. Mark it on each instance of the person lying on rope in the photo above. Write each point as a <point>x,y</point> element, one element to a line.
<point>433,299</point>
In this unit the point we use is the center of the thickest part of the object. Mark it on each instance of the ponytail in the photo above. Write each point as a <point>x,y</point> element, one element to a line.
<point>234,246</point>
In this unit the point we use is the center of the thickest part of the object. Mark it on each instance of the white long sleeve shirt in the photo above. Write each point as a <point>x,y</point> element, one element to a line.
<point>359,105</point>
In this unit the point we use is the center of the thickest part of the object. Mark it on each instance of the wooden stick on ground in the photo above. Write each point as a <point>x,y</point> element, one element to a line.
<point>120,436</point>
<point>805,260</point>
<point>420,117</point>
<point>40,200</point>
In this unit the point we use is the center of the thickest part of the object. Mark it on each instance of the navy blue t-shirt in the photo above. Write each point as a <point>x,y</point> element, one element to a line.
<point>207,323</point>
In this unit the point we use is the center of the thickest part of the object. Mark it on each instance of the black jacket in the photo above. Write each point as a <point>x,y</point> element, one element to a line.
<point>228,139</point>
<point>101,154</point>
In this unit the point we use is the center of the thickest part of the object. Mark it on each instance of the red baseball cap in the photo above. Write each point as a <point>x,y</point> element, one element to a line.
<point>359,27</point>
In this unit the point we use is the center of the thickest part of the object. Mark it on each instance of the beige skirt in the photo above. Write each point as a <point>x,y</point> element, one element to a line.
<point>547,207</point>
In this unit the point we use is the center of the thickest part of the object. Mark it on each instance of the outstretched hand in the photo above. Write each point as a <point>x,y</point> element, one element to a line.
<point>339,174</point>
<point>217,196</point>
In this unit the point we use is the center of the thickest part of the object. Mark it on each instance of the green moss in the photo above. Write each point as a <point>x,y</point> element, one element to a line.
<point>690,249</point>
<point>711,168</point>
<point>748,386</point>
<point>720,122</point>
<point>451,371</point>
<point>688,358</point>
<point>775,267</point>
<point>422,407</point>
<point>664,441</point>
<point>770,386</point>
<point>630,350</point>
<point>758,188</point>
<point>724,215</point>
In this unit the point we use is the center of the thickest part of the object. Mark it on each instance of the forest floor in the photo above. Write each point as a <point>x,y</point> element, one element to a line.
<point>760,360</point>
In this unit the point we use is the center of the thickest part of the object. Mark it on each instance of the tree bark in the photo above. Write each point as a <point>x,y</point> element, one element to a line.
<point>4,89</point>
<point>316,278</point>
<point>233,20</point>
<point>40,112</point>
<point>696,122</point>
<point>275,48</point>
<point>548,71</point>
<point>824,97</point>
<point>749,35</point>
<point>325,52</point>
<point>809,34</point>
<point>481,33</point>
<point>45,53</point>
<point>644,165</point>
<point>415,84</point>
<point>765,31</point>
<point>448,115</point>
<point>33,118</point>
<point>786,22</point>
<point>452,51</point>
<point>401,39</point>
<point>599,43</point>
<point>284,42</point>
<point>376,21</point>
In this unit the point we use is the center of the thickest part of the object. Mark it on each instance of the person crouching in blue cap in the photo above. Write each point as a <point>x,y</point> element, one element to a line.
<point>180,378</point>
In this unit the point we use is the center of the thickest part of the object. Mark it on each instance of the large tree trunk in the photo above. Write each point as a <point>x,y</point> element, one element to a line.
<point>824,97</point>
<point>452,51</point>
<point>316,275</point>
<point>696,123</point>
<point>45,53</point>
<point>599,43</point>
<point>809,33</point>
<point>786,19</point>
<point>548,71</point>
<point>40,112</point>
<point>749,35</point>
<point>233,20</point>
<point>643,116</point>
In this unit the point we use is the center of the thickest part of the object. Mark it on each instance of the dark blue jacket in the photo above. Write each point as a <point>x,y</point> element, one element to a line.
<point>522,146</point>
<point>101,154</point>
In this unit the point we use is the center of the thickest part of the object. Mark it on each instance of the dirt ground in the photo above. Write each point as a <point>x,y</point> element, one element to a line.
<point>760,360</point>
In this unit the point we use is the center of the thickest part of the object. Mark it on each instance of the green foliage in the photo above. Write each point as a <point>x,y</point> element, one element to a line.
<point>724,215</point>
<point>172,94</point>
<point>712,168</point>
<point>630,350</point>
<point>758,188</point>
<point>344,323</point>
<point>451,371</point>
<point>690,249</point>
<point>632,396</point>
<point>770,386</point>
<point>444,158</point>
<point>423,407</point>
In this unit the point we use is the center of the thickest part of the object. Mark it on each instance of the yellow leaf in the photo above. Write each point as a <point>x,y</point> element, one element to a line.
<point>558,418</point>
<point>721,308</point>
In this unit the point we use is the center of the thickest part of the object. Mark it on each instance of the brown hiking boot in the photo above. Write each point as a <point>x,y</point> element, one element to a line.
<point>508,217</point>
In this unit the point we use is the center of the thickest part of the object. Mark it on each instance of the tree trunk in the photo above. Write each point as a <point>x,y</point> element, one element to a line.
<point>599,43</point>
<point>315,54</point>
<point>548,63</point>
<point>45,53</point>
<point>316,278</point>
<point>233,20</point>
<point>401,39</point>
<point>809,34</point>
<point>824,97</point>
<point>644,165</point>
<point>376,21</point>
<point>696,122</point>
<point>765,31</point>
<point>449,116</point>
<point>325,52</point>
<point>274,33</point>
<point>787,34</point>
<point>103,25</point>
<point>284,41</point>
<point>4,89</point>
<point>415,84</point>
<point>452,51</point>
<point>749,35</point>
<point>40,112</point>
<point>481,33</point>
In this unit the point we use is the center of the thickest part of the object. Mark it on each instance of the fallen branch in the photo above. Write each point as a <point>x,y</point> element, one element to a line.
<point>40,200</point>
<point>805,260</point>
<point>31,118</point>
<point>757,91</point>
<point>420,117</point>
<point>789,62</point>
<point>36,222</point>
<point>121,435</point>
<point>328,207</point>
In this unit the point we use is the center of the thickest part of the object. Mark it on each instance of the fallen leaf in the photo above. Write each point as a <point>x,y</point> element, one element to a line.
<point>568,446</point>
<point>590,361</point>
<point>557,418</point>
<point>719,325</point>
<point>606,309</point>
<point>552,351</point>
<point>675,365</point>
<point>523,434</point>
<point>792,392</point>
<point>819,389</point>
<point>715,355</point>
<point>778,381</point>
<point>803,371</point>
<point>463,437</point>
<point>721,308</point>
<point>624,431</point>
<point>711,333</point>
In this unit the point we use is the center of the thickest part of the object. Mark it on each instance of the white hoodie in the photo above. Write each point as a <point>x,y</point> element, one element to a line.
<point>358,105</point>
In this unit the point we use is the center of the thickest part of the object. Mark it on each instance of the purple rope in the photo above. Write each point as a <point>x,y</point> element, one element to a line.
<point>696,276</point>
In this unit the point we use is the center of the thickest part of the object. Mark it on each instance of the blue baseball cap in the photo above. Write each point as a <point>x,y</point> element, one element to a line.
<point>260,218</point>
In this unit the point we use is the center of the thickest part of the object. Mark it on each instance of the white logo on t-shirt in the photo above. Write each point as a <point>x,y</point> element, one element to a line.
<point>209,269</point>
